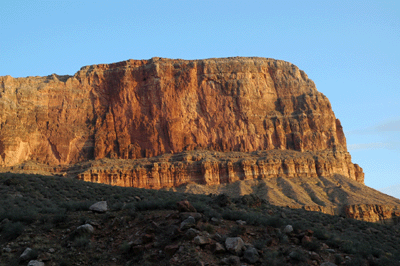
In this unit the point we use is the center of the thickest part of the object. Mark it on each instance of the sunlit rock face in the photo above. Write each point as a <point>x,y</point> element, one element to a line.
<point>145,108</point>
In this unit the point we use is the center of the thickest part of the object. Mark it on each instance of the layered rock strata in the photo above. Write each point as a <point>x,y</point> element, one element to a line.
<point>144,108</point>
<point>373,213</point>
<point>213,168</point>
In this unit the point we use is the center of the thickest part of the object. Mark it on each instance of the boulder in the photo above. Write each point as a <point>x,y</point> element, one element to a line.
<point>35,263</point>
<point>235,245</point>
<point>28,254</point>
<point>218,248</point>
<point>189,222</point>
<point>288,229</point>
<point>201,240</point>
<point>251,255</point>
<point>191,233</point>
<point>85,229</point>
<point>328,264</point>
<point>99,207</point>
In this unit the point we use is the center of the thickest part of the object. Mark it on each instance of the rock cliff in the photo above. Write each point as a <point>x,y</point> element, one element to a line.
<point>373,213</point>
<point>146,108</point>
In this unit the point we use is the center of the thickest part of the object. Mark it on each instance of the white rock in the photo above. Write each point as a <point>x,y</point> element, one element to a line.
<point>234,244</point>
<point>26,254</point>
<point>288,229</point>
<point>86,228</point>
<point>100,206</point>
<point>35,263</point>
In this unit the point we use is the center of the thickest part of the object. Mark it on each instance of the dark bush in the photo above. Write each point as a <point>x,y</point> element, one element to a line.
<point>251,200</point>
<point>321,234</point>
<point>77,205</point>
<point>158,204</point>
<point>312,245</point>
<point>348,246</point>
<point>81,242</point>
<point>338,259</point>
<point>237,231</point>
<point>357,261</point>
<point>275,221</point>
<point>12,230</point>
<point>222,200</point>
<point>59,218</point>
<point>21,215</point>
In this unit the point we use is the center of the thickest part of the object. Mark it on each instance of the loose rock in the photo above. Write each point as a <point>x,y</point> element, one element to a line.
<point>234,245</point>
<point>35,263</point>
<point>288,229</point>
<point>185,206</point>
<point>251,255</point>
<point>27,254</point>
<point>189,222</point>
<point>201,240</point>
<point>99,207</point>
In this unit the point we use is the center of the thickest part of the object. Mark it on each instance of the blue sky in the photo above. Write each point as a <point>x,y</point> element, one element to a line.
<point>349,48</point>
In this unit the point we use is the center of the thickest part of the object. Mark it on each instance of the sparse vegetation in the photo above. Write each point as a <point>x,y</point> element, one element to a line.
<point>44,212</point>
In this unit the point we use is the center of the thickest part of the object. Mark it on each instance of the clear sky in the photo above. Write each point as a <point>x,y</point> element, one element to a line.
<point>351,49</point>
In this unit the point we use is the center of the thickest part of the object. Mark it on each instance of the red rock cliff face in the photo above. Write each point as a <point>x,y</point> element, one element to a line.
<point>144,108</point>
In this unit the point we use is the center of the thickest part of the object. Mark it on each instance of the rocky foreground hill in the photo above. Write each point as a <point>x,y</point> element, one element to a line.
<point>165,123</point>
<point>55,221</point>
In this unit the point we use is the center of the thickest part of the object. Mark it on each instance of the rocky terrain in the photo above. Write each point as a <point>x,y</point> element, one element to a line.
<point>149,108</point>
<point>231,125</point>
<point>47,221</point>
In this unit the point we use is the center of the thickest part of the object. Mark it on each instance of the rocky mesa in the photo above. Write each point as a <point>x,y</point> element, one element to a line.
<point>188,111</point>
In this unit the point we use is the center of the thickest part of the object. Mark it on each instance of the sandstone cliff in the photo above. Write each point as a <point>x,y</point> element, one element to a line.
<point>373,213</point>
<point>145,108</point>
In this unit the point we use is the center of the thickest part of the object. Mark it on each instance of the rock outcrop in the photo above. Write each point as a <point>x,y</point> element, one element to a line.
<point>213,168</point>
<point>373,213</point>
<point>145,108</point>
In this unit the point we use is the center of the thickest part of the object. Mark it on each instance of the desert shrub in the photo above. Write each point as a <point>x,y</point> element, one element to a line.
<point>275,221</point>
<point>334,241</point>
<point>321,234</point>
<point>130,206</point>
<point>10,230</point>
<point>237,231</point>
<point>272,258</point>
<point>52,210</point>
<point>251,200</point>
<point>21,215</point>
<point>125,247</point>
<point>348,246</point>
<point>117,206</point>
<point>233,215</point>
<point>200,206</point>
<point>81,242</point>
<point>222,200</point>
<point>209,212</point>
<point>44,218</point>
<point>338,259</point>
<point>77,205</point>
<point>260,243</point>
<point>384,261</point>
<point>59,218</point>
<point>208,228</point>
<point>283,238</point>
<point>158,204</point>
<point>65,262</point>
<point>356,261</point>
<point>252,218</point>
<point>312,245</point>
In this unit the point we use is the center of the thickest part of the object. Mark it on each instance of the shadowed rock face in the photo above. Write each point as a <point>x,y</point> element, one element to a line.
<point>144,108</point>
